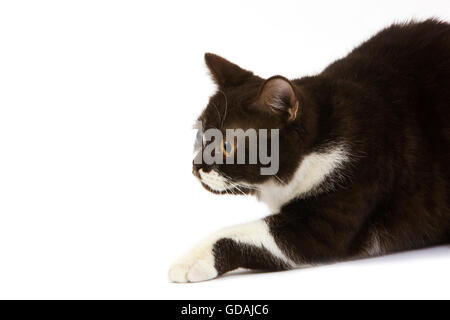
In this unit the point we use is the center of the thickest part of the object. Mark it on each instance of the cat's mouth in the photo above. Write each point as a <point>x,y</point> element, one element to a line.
<point>214,181</point>
<point>210,189</point>
<point>217,183</point>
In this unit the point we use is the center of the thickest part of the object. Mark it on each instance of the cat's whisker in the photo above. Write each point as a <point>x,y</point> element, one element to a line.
<point>236,187</point>
<point>230,182</point>
<point>251,187</point>
<point>237,184</point>
<point>247,186</point>
<point>240,190</point>
<point>279,179</point>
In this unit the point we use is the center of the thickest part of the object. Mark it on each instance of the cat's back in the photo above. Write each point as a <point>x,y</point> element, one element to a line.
<point>413,60</point>
<point>416,51</point>
<point>409,43</point>
<point>407,67</point>
<point>401,78</point>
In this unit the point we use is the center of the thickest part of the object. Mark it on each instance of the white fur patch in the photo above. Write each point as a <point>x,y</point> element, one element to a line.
<point>213,180</point>
<point>311,172</point>
<point>198,264</point>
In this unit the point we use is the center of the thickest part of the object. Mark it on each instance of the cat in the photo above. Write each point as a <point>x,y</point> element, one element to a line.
<point>364,156</point>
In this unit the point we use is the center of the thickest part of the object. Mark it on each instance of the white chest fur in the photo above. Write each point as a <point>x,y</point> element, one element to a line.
<point>311,172</point>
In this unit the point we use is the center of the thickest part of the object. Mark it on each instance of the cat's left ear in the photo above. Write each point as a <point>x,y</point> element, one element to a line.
<point>224,72</point>
<point>278,95</point>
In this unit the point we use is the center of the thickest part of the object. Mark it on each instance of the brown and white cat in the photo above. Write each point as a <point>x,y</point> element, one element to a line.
<point>364,156</point>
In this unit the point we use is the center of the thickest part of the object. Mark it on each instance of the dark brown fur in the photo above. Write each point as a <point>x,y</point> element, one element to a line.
<point>389,100</point>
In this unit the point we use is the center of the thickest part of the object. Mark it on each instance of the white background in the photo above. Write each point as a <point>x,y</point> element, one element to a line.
<point>97,102</point>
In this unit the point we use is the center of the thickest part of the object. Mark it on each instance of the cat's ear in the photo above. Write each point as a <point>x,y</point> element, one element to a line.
<point>278,95</point>
<point>225,73</point>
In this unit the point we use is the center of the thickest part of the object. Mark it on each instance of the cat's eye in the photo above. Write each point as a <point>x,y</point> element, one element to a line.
<point>227,148</point>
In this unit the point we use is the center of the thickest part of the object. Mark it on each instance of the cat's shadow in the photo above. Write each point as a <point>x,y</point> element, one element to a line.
<point>248,272</point>
<point>411,255</point>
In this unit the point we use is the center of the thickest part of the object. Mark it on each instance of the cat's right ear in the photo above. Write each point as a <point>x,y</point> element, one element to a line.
<point>278,96</point>
<point>225,73</point>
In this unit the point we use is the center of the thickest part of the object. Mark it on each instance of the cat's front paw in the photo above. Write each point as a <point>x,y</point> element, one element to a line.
<point>199,270</point>
<point>196,266</point>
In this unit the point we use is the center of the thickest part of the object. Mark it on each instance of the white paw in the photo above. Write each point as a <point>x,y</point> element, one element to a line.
<point>200,270</point>
<point>197,266</point>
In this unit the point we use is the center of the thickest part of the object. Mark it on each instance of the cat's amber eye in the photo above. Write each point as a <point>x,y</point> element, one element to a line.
<point>227,148</point>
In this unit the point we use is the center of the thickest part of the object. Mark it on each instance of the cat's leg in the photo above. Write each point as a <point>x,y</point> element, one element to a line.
<point>249,245</point>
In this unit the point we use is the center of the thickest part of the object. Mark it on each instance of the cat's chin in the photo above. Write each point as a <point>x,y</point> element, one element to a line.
<point>212,190</point>
<point>218,184</point>
<point>235,191</point>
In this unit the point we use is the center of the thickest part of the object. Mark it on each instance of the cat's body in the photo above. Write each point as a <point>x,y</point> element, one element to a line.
<point>364,156</point>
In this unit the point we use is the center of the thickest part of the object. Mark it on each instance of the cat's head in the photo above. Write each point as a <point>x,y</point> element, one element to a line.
<point>254,105</point>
